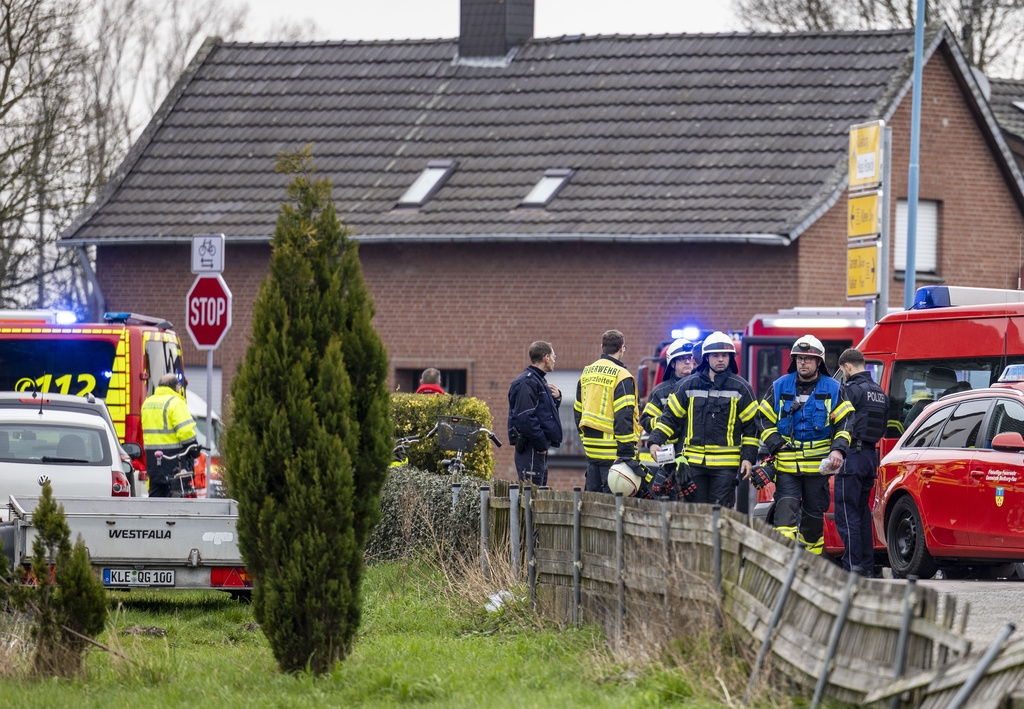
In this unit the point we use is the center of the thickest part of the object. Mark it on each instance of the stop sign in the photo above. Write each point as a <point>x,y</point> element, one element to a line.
<point>208,311</point>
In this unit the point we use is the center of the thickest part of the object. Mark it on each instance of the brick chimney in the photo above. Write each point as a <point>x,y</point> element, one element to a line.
<point>490,28</point>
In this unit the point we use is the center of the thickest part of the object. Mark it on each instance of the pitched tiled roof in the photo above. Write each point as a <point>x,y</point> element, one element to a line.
<point>687,136</point>
<point>1002,97</point>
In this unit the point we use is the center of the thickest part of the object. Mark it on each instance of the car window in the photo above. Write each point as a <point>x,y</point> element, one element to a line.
<point>925,433</point>
<point>914,384</point>
<point>161,358</point>
<point>1007,416</point>
<point>76,367</point>
<point>962,427</point>
<point>53,443</point>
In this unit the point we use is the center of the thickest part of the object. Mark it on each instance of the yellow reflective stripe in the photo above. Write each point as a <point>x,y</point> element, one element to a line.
<point>673,404</point>
<point>765,434</point>
<point>750,441</point>
<point>749,412</point>
<point>769,412</point>
<point>845,435</point>
<point>689,420</point>
<point>813,547</point>
<point>624,401</point>
<point>842,411</point>
<point>595,421</point>
<point>663,428</point>
<point>894,423</point>
<point>652,410</point>
<point>578,405</point>
<point>788,532</point>
<point>731,425</point>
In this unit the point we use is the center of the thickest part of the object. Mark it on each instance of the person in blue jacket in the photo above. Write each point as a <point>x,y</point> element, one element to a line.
<point>533,423</point>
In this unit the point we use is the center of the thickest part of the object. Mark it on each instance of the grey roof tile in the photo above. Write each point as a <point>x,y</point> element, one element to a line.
<point>672,134</point>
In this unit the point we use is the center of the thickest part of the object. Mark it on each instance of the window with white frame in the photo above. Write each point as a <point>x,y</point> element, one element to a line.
<point>926,251</point>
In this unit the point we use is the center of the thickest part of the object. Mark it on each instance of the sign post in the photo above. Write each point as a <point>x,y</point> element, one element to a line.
<point>866,214</point>
<point>208,305</point>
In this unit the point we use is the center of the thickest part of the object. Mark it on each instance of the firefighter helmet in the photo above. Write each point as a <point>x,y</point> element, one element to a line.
<point>808,346</point>
<point>622,478</point>
<point>718,343</point>
<point>677,349</point>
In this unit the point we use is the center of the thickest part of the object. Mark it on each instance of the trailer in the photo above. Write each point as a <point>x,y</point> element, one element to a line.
<point>155,543</point>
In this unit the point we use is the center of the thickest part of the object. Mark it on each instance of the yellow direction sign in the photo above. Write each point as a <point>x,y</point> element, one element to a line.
<point>866,154</point>
<point>864,214</point>
<point>862,270</point>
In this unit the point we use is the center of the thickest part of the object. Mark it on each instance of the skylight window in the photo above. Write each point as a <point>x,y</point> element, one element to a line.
<point>545,190</point>
<point>427,184</point>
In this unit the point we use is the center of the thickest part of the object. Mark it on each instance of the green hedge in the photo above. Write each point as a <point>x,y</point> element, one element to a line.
<point>416,414</point>
<point>417,515</point>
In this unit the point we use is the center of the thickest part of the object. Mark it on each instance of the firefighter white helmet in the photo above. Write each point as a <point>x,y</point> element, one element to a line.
<point>718,343</point>
<point>808,346</point>
<point>677,349</point>
<point>621,478</point>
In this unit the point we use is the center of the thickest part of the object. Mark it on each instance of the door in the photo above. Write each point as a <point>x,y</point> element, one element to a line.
<point>997,483</point>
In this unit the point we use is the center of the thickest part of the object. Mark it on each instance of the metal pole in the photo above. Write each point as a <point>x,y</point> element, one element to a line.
<point>620,565</point>
<point>513,521</point>
<point>882,304</point>
<point>915,140</point>
<point>901,644</point>
<point>833,643</point>
<point>209,395</point>
<point>484,524</point>
<point>990,655</point>
<point>531,563</point>
<point>577,554</point>
<point>716,558</point>
<point>780,603</point>
<point>456,487</point>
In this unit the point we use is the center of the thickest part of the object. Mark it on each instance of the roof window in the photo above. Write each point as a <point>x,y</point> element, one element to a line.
<point>545,190</point>
<point>427,184</point>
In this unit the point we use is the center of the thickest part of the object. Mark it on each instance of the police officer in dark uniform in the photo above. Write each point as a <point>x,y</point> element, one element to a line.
<point>853,484</point>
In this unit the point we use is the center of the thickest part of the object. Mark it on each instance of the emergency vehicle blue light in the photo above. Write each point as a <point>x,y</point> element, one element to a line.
<point>65,317</point>
<point>1013,373</point>
<point>114,317</point>
<point>690,332</point>
<point>931,297</point>
<point>106,374</point>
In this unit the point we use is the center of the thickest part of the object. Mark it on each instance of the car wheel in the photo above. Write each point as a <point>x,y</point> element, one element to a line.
<point>908,554</point>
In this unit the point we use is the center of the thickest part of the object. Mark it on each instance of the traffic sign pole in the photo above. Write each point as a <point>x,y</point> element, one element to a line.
<point>208,318</point>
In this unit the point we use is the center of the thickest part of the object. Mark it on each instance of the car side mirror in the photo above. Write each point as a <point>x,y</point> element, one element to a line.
<point>127,468</point>
<point>1008,441</point>
<point>134,450</point>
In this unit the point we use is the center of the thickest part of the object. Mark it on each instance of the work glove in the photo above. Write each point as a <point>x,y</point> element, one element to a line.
<point>687,487</point>
<point>658,483</point>
<point>763,473</point>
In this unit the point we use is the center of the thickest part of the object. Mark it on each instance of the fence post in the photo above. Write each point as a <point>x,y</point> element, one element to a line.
<point>990,655</point>
<point>456,487</point>
<point>484,525</point>
<point>716,559</point>
<point>531,563</point>
<point>667,548</point>
<point>620,563</point>
<point>577,554</point>
<point>901,644</point>
<point>513,523</point>
<point>780,603</point>
<point>833,643</point>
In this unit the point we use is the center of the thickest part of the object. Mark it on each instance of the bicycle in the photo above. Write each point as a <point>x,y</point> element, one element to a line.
<point>184,473</point>
<point>459,434</point>
<point>400,452</point>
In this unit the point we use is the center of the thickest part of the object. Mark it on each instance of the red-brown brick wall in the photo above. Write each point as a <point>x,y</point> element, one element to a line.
<point>478,306</point>
<point>979,222</point>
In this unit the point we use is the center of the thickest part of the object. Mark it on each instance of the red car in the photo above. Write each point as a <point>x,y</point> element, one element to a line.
<point>950,493</point>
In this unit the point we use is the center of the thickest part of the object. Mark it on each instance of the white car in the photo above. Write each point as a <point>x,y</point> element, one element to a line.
<point>67,440</point>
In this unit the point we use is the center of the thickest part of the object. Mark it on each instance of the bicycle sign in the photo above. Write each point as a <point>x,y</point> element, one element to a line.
<point>208,253</point>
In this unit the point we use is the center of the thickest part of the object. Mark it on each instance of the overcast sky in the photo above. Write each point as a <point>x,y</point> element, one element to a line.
<point>417,19</point>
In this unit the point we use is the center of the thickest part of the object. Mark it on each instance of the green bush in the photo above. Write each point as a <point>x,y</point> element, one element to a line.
<point>417,514</point>
<point>416,414</point>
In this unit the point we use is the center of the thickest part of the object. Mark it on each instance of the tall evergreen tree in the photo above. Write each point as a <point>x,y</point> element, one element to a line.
<point>309,441</point>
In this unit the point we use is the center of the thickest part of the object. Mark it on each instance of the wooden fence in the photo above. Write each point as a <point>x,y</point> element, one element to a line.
<point>648,567</point>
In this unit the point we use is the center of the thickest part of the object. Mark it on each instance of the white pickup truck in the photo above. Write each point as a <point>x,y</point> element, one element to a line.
<point>144,542</point>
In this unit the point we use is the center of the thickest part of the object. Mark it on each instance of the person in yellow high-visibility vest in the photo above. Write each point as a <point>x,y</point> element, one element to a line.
<point>167,426</point>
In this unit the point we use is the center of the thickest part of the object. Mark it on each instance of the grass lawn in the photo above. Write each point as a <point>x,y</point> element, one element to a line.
<point>419,644</point>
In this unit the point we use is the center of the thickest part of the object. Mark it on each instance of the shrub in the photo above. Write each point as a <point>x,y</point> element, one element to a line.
<point>417,513</point>
<point>66,608</point>
<point>308,445</point>
<point>416,414</point>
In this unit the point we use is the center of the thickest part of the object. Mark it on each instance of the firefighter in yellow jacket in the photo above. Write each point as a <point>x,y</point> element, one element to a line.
<point>606,412</point>
<point>167,426</point>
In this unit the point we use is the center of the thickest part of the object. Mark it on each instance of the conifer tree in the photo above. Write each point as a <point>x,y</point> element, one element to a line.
<point>70,606</point>
<point>309,441</point>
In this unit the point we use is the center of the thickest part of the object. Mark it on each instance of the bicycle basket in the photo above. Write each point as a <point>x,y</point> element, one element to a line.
<point>456,433</point>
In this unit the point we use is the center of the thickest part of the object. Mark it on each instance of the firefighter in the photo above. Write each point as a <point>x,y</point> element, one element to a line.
<point>678,365</point>
<point>853,484</point>
<point>713,412</point>
<point>804,421</point>
<point>167,426</point>
<point>606,413</point>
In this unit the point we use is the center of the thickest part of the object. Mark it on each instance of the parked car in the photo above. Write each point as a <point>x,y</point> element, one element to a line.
<point>68,440</point>
<point>950,493</point>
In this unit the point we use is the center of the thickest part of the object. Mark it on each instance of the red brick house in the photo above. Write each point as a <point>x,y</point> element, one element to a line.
<point>563,186</point>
